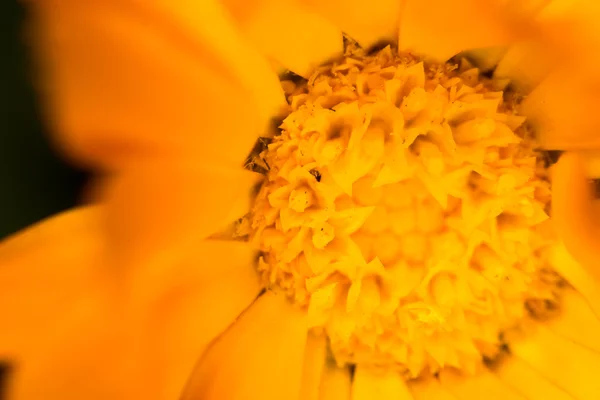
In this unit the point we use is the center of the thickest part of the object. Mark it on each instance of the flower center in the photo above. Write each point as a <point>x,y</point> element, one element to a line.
<point>405,208</point>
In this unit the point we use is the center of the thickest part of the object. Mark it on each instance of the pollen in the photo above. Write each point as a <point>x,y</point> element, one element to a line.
<point>405,208</point>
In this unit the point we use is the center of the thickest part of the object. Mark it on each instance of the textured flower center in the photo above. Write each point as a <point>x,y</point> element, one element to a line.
<point>405,207</point>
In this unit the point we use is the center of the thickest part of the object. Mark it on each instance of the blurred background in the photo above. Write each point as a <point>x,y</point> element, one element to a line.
<point>34,181</point>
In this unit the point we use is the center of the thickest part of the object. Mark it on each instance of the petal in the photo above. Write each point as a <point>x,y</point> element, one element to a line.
<point>314,365</point>
<point>528,382</point>
<point>188,305</point>
<point>156,207</point>
<point>428,389</point>
<point>567,267</point>
<point>574,211</point>
<point>441,29</point>
<point>563,107</point>
<point>47,270</point>
<point>85,356</point>
<point>335,383</point>
<point>259,355</point>
<point>387,385</point>
<point>564,363</point>
<point>526,63</point>
<point>467,387</point>
<point>134,79</point>
<point>175,316</point>
<point>378,21</point>
<point>288,33</point>
<point>577,321</point>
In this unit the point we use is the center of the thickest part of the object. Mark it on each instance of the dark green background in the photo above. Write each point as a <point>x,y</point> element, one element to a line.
<point>34,181</point>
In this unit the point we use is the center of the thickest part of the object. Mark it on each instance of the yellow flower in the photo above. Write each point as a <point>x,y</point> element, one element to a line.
<point>401,219</point>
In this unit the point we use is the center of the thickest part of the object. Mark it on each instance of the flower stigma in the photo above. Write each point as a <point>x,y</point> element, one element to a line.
<point>405,207</point>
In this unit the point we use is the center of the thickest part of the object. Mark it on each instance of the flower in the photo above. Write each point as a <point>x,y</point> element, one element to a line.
<point>149,294</point>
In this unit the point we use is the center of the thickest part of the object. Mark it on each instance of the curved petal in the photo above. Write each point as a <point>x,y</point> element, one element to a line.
<point>131,79</point>
<point>467,387</point>
<point>367,22</point>
<point>441,29</point>
<point>574,212</point>
<point>260,355</point>
<point>564,363</point>
<point>155,207</point>
<point>528,382</point>
<point>45,272</point>
<point>189,304</point>
<point>288,33</point>
<point>388,385</point>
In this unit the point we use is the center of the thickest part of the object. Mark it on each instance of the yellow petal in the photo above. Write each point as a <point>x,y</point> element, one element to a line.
<point>428,389</point>
<point>378,21</point>
<point>135,79</point>
<point>564,363</point>
<point>188,305</point>
<point>388,385</point>
<point>45,272</point>
<point>577,321</point>
<point>314,364</point>
<point>288,33</point>
<point>259,355</point>
<point>440,29</point>
<point>335,383</point>
<point>155,207</point>
<point>528,382</point>
<point>467,387</point>
<point>574,212</point>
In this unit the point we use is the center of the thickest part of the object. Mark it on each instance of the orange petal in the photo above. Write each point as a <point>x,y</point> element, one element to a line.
<point>369,23</point>
<point>190,303</point>
<point>528,382</point>
<point>564,363</point>
<point>441,29</point>
<point>581,280</point>
<point>563,109</point>
<point>388,385</point>
<point>85,356</point>
<point>467,387</point>
<point>574,212</point>
<point>288,33</point>
<point>314,365</point>
<point>260,355</point>
<point>577,321</point>
<point>157,207</point>
<point>133,79</point>
<point>526,63</point>
<point>429,389</point>
<point>45,272</point>
<point>335,383</point>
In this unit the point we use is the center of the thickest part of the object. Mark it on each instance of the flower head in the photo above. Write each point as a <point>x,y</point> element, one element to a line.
<point>392,235</point>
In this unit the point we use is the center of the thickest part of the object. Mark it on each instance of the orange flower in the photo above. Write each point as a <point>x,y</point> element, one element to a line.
<point>147,293</point>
